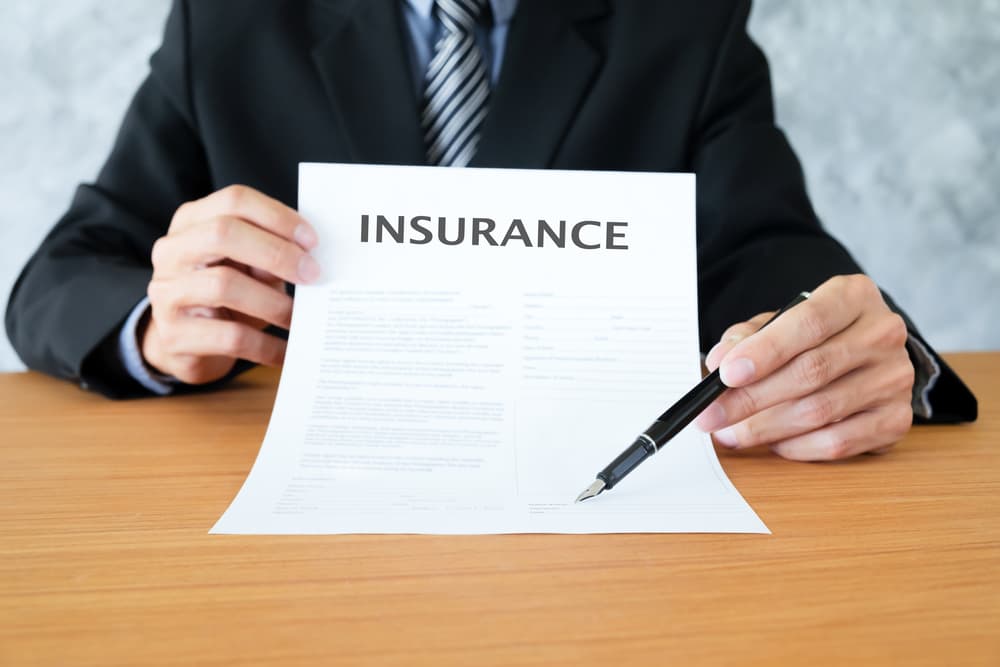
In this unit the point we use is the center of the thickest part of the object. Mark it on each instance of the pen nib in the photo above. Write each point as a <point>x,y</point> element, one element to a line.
<point>591,491</point>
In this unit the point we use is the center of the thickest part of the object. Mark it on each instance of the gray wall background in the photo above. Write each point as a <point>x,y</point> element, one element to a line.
<point>893,106</point>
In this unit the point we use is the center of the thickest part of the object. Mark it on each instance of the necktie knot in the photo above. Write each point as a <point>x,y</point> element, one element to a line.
<point>460,15</point>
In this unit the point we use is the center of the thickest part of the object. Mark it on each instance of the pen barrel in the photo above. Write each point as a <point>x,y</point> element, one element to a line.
<point>684,411</point>
<point>627,461</point>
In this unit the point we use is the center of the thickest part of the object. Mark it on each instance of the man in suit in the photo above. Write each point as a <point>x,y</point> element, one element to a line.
<point>170,271</point>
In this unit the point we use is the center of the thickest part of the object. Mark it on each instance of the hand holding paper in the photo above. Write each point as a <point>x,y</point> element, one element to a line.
<point>219,279</point>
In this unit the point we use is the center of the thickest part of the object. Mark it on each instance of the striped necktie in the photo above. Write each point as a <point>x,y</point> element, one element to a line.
<point>457,86</point>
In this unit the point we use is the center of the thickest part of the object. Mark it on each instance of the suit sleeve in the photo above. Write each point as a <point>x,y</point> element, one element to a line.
<point>93,267</point>
<point>759,240</point>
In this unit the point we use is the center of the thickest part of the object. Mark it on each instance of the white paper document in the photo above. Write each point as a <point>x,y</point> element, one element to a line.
<point>481,344</point>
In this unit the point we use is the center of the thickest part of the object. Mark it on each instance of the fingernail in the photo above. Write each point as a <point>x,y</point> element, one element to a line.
<point>727,438</point>
<point>708,357</point>
<point>308,269</point>
<point>712,418</point>
<point>731,339</point>
<point>305,237</point>
<point>737,372</point>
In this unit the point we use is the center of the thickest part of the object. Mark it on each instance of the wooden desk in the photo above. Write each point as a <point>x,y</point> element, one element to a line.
<point>105,557</point>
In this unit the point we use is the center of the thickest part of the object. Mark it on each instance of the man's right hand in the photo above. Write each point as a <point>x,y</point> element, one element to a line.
<point>219,279</point>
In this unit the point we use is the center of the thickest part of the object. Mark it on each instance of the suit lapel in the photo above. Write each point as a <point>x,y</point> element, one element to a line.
<point>360,52</point>
<point>361,56</point>
<point>548,69</point>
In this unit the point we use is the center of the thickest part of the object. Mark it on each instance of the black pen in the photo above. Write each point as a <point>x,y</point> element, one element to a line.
<point>667,425</point>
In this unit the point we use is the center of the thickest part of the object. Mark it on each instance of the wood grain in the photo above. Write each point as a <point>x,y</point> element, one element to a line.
<point>105,557</point>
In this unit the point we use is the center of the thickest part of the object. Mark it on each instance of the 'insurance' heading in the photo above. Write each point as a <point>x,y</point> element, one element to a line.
<point>423,229</point>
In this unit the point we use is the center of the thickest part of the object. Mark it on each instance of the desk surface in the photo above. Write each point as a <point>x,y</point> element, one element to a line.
<point>105,557</point>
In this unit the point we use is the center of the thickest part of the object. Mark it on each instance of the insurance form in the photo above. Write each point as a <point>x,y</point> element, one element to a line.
<point>481,343</point>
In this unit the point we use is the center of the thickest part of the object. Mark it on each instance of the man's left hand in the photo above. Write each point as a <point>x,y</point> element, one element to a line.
<point>829,379</point>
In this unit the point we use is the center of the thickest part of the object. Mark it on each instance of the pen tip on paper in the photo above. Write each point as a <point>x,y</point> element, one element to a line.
<point>591,491</point>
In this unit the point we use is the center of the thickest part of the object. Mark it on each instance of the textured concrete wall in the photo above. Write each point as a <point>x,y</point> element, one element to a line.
<point>894,106</point>
<point>68,69</point>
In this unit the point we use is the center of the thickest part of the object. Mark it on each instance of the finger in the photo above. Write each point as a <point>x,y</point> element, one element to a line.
<point>833,307</point>
<point>193,311</point>
<point>266,277</point>
<point>201,337</point>
<point>732,336</point>
<point>226,238</point>
<point>224,287</point>
<point>259,274</point>
<point>803,375</point>
<point>873,430</point>
<point>855,392</point>
<point>238,201</point>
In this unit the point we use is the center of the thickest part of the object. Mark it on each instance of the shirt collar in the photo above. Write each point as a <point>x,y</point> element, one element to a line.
<point>503,10</point>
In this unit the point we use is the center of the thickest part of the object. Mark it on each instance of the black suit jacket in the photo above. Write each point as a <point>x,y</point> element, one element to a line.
<point>241,91</point>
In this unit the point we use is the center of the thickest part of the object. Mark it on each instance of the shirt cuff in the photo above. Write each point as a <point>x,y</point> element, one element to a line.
<point>927,371</point>
<point>131,355</point>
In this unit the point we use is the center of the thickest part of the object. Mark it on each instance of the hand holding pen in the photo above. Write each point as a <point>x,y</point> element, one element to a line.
<point>829,379</point>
